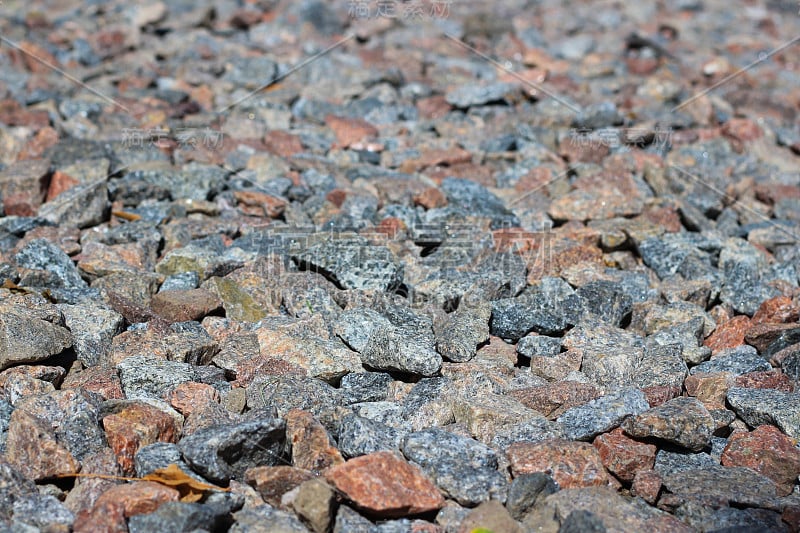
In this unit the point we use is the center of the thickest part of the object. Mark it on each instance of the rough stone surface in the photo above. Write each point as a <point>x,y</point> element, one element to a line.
<point>603,414</point>
<point>570,464</point>
<point>682,421</point>
<point>766,406</point>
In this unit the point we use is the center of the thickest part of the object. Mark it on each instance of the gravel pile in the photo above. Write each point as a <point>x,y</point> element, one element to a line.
<point>274,266</point>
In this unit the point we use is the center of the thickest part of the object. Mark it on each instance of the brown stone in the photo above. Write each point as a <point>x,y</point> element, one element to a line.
<point>760,336</point>
<point>87,490</point>
<point>767,451</point>
<point>730,334</point>
<point>311,446</point>
<point>272,482</point>
<point>23,186</point>
<point>102,380</point>
<point>282,143</point>
<point>556,368</point>
<point>97,259</point>
<point>32,448</point>
<point>623,456</point>
<point>770,379</point>
<point>430,198</point>
<point>553,399</point>
<point>570,464</point>
<point>21,381</point>
<point>740,131</point>
<point>780,309</point>
<point>36,147</point>
<point>189,397</point>
<point>432,157</point>
<point>336,197</point>
<point>59,183</point>
<point>349,131</point>
<point>184,305</point>
<point>384,485</point>
<point>433,107</point>
<point>489,516</point>
<point>575,150</point>
<point>137,425</point>
<point>710,389</point>
<point>646,484</point>
<point>260,203</point>
<point>121,502</point>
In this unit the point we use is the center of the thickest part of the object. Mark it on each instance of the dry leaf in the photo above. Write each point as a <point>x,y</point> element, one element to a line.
<point>189,488</point>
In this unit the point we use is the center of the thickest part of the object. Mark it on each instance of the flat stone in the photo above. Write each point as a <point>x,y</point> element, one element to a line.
<point>385,486</point>
<point>602,414</point>
<point>359,435</point>
<point>463,469</point>
<point>553,399</point>
<point>124,501</point>
<point>570,464</point>
<point>26,338</point>
<point>486,415</point>
<point>528,491</point>
<point>180,305</point>
<point>152,377</point>
<point>284,393</point>
<point>623,456</point>
<point>737,361</point>
<point>681,421</point>
<point>610,355</point>
<point>735,485</point>
<point>81,206</point>
<point>767,406</point>
<point>92,330</point>
<point>226,451</point>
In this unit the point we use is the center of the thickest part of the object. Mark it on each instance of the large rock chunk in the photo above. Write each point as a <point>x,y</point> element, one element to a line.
<point>610,355</point>
<point>463,468</point>
<point>603,414</point>
<point>225,451</point>
<point>682,421</point>
<point>384,485</point>
<point>25,337</point>
<point>767,406</point>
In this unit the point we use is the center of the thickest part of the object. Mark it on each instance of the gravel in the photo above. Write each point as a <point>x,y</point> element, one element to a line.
<point>399,266</point>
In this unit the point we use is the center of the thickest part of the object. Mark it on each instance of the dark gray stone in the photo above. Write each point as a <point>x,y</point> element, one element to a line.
<point>581,521</point>
<point>682,421</point>
<point>183,281</point>
<point>27,338</point>
<point>528,491</point>
<point>604,301</point>
<point>365,387</point>
<point>475,199</point>
<point>463,468</point>
<point>459,334</point>
<point>668,461</point>
<point>266,519</point>
<point>736,485</point>
<point>13,487</point>
<point>532,345</point>
<point>42,511</point>
<point>283,393</point>
<point>742,266</point>
<point>81,206</point>
<point>542,308</point>
<point>225,451</point>
<point>92,329</point>
<point>159,455</point>
<point>176,517</point>
<point>41,254</point>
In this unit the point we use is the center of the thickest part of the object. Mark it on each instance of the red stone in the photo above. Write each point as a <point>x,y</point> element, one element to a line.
<point>575,150</point>
<point>311,446</point>
<point>623,456</point>
<point>44,139</point>
<point>780,309</point>
<point>349,131</point>
<point>771,379</point>
<point>646,485</point>
<point>102,380</point>
<point>570,464</point>
<point>33,449</point>
<point>767,451</point>
<point>190,397</point>
<point>336,197</point>
<point>728,335</point>
<point>760,336</point>
<point>433,107</point>
<point>741,130</point>
<point>384,485</point>
<point>135,426</point>
<point>260,203</point>
<point>59,183</point>
<point>121,502</point>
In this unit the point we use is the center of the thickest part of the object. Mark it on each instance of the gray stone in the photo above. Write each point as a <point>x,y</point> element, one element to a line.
<point>740,360</point>
<point>42,511</point>
<point>532,345</point>
<point>604,301</point>
<point>528,491</point>
<point>464,469</point>
<point>81,206</point>
<point>610,355</point>
<point>266,519</point>
<point>183,281</point>
<point>603,414</point>
<point>176,517</point>
<point>534,430</point>
<point>477,200</point>
<point>26,338</point>
<point>283,393</point>
<point>353,263</point>
<point>225,451</point>
<point>388,413</point>
<point>742,266</point>
<point>475,95</point>
<point>767,406</point>
<point>668,462</point>
<point>13,487</point>
<point>661,365</point>
<point>365,387</point>
<point>541,308</point>
<point>459,334</point>
<point>582,521</point>
<point>152,377</point>
<point>682,421</point>
<point>41,254</point>
<point>159,455</point>
<point>360,436</point>
<point>736,485</point>
<point>315,504</point>
<point>92,329</point>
